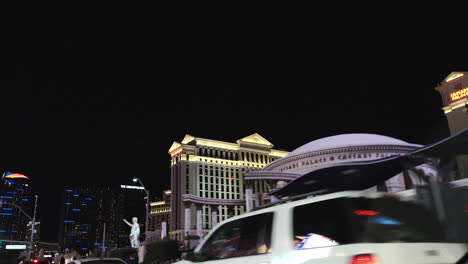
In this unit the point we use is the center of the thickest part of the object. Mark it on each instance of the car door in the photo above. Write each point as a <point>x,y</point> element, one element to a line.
<point>246,240</point>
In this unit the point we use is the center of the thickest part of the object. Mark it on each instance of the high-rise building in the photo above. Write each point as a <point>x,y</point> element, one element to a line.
<point>207,180</point>
<point>88,209</point>
<point>160,211</point>
<point>454,93</point>
<point>16,201</point>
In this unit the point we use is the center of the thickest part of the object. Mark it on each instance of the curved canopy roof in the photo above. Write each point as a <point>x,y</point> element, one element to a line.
<point>364,175</point>
<point>345,140</point>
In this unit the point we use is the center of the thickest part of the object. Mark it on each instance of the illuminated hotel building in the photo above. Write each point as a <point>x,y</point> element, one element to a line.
<point>15,193</point>
<point>207,180</point>
<point>454,93</point>
<point>160,211</point>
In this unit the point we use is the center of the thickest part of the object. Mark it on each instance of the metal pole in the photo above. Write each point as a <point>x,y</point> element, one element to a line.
<point>103,241</point>
<point>33,224</point>
<point>147,212</point>
<point>147,206</point>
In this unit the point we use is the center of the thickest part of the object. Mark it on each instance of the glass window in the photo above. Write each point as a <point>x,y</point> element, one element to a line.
<point>243,237</point>
<point>356,220</point>
<point>390,220</point>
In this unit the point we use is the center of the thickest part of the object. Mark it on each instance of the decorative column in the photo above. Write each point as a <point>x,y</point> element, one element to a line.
<point>395,184</point>
<point>163,229</point>
<point>188,218</point>
<point>248,198</point>
<point>256,200</point>
<point>199,222</point>
<point>214,216</point>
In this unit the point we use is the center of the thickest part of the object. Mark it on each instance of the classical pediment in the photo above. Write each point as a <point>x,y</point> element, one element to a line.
<point>255,139</point>
<point>187,139</point>
<point>455,75</point>
<point>174,146</point>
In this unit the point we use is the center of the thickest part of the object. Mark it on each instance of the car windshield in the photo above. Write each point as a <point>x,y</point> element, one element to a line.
<point>362,220</point>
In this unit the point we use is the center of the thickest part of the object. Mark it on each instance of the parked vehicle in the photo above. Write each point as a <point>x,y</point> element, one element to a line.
<point>344,227</point>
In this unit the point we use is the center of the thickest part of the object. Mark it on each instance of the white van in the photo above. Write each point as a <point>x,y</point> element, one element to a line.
<point>352,227</point>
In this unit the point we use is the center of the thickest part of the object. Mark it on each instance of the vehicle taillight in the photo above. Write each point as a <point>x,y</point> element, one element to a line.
<point>35,261</point>
<point>364,259</point>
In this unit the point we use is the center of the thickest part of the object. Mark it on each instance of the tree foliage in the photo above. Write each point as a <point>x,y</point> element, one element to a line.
<point>162,250</point>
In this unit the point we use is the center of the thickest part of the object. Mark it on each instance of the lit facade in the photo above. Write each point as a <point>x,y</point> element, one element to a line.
<point>160,211</point>
<point>14,223</point>
<point>454,93</point>
<point>207,180</point>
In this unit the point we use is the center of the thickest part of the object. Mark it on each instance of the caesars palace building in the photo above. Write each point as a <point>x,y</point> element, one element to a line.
<point>213,180</point>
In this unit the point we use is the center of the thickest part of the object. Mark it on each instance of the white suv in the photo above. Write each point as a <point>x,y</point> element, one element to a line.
<point>353,227</point>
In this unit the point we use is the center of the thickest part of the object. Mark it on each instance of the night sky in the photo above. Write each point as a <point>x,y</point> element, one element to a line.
<point>105,103</point>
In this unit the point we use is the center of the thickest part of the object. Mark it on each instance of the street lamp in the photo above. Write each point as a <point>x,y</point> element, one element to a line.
<point>147,204</point>
<point>33,219</point>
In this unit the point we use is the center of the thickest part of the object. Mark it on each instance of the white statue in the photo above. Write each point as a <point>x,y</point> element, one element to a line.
<point>134,233</point>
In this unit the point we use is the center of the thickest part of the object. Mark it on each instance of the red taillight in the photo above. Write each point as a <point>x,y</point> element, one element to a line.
<point>35,261</point>
<point>365,212</point>
<point>364,259</point>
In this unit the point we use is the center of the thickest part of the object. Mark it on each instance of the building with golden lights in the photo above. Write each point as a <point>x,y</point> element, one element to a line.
<point>160,211</point>
<point>213,180</point>
<point>454,93</point>
<point>207,180</point>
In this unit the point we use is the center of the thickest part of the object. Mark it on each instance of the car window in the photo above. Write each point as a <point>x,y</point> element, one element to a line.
<point>243,237</point>
<point>353,220</point>
<point>320,224</point>
<point>390,220</point>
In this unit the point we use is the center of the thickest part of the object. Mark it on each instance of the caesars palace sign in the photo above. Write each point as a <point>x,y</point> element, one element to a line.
<point>333,158</point>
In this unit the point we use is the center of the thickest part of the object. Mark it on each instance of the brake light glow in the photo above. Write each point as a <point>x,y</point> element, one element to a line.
<point>364,259</point>
<point>365,212</point>
<point>35,261</point>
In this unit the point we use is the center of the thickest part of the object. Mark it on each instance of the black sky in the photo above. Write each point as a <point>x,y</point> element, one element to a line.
<point>104,103</point>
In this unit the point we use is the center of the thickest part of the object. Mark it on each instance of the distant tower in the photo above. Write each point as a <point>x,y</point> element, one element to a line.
<point>454,92</point>
<point>16,193</point>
